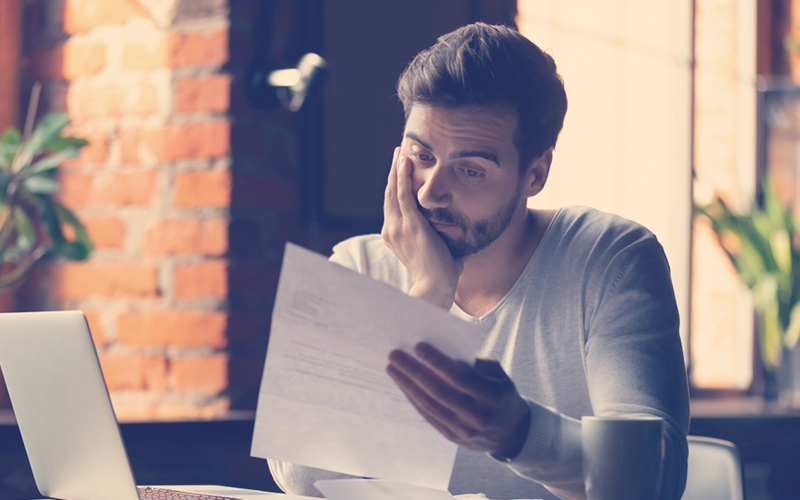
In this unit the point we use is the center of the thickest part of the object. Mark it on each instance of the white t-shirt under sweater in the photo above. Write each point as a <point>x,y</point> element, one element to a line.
<point>589,328</point>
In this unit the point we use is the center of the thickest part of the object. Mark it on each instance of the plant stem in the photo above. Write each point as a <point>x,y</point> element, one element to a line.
<point>33,106</point>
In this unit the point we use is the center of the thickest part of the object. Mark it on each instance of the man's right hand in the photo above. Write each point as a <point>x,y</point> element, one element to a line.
<point>434,272</point>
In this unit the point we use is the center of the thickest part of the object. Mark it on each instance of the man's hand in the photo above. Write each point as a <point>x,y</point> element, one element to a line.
<point>434,272</point>
<point>477,408</point>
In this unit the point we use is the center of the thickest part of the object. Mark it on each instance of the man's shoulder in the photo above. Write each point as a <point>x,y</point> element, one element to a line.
<point>368,254</point>
<point>584,224</point>
<point>588,217</point>
<point>370,246</point>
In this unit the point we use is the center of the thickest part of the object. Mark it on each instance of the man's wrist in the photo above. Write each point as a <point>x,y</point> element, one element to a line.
<point>518,442</point>
<point>433,294</point>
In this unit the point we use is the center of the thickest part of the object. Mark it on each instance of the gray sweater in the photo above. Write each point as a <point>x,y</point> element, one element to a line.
<point>589,328</point>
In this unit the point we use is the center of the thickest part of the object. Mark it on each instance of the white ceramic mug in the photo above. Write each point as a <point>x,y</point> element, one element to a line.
<point>622,457</point>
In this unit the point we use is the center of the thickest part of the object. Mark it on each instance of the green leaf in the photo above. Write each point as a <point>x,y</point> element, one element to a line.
<point>48,128</point>
<point>41,185</point>
<point>771,335</point>
<point>772,204</point>
<point>765,293</point>
<point>50,162</point>
<point>11,137</point>
<point>5,179</point>
<point>26,235</point>
<point>82,247</point>
<point>793,330</point>
<point>781,246</point>
<point>60,143</point>
<point>7,225</point>
<point>9,144</point>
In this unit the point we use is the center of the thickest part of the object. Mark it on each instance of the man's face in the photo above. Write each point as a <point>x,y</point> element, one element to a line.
<point>465,172</point>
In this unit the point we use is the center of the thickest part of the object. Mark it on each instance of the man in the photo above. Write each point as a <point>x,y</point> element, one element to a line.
<point>576,305</point>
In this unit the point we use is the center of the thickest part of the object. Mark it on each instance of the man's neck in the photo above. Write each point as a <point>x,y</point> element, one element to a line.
<point>489,274</point>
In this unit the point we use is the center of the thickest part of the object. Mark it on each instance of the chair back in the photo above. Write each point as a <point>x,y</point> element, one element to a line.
<point>715,470</point>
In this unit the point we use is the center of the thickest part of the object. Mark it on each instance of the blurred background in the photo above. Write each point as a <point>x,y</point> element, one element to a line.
<point>199,169</point>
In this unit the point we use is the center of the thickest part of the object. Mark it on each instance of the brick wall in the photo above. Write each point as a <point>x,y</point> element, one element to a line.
<point>188,192</point>
<point>149,88</point>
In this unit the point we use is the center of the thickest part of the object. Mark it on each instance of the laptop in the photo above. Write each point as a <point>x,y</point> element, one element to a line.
<point>64,413</point>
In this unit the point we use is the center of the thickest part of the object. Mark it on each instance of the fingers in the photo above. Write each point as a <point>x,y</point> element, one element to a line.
<point>450,413</point>
<point>484,382</point>
<point>405,191</point>
<point>390,206</point>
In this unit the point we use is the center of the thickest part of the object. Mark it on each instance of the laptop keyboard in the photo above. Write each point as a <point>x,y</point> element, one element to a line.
<point>146,493</point>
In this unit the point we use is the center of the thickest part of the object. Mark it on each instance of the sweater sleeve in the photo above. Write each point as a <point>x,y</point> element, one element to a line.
<point>299,479</point>
<point>634,365</point>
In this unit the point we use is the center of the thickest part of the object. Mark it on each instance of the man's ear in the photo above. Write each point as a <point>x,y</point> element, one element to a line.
<point>536,175</point>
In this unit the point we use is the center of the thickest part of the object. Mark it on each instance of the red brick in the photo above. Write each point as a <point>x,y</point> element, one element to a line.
<point>95,154</point>
<point>105,232</point>
<point>177,51</point>
<point>80,280</point>
<point>83,59</point>
<point>111,101</point>
<point>112,190</point>
<point>83,15</point>
<point>186,236</point>
<point>134,373</point>
<point>144,57</point>
<point>206,188</point>
<point>175,142</point>
<point>214,236</point>
<point>197,95</point>
<point>98,333</point>
<point>201,279</point>
<point>75,189</point>
<point>192,49</point>
<point>206,375</point>
<point>173,327</point>
<point>182,411</point>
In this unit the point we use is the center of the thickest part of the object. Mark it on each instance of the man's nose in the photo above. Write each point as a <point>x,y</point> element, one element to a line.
<point>435,190</point>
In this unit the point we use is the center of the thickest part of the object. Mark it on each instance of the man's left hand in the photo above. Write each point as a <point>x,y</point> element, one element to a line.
<point>475,407</point>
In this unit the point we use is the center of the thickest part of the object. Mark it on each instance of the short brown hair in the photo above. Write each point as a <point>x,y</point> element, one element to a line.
<point>482,65</point>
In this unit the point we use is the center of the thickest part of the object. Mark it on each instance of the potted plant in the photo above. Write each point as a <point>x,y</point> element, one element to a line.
<point>791,47</point>
<point>762,244</point>
<point>32,220</point>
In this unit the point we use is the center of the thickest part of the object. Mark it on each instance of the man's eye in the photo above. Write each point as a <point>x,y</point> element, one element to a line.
<point>424,157</point>
<point>471,173</point>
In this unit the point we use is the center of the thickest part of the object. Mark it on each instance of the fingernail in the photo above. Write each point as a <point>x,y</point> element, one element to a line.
<point>423,350</point>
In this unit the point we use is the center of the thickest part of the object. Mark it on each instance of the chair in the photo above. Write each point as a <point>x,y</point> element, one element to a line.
<point>715,470</point>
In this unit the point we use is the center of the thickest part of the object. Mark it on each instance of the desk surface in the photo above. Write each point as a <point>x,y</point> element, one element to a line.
<point>226,491</point>
<point>218,451</point>
<point>751,407</point>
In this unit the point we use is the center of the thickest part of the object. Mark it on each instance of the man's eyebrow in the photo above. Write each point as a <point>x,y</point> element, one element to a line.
<point>486,155</point>
<point>413,137</point>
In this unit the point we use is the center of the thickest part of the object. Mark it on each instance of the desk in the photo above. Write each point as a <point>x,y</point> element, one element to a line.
<point>194,452</point>
<point>218,451</point>
<point>768,438</point>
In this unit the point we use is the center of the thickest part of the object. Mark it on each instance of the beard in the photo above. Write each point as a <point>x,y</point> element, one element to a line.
<point>477,235</point>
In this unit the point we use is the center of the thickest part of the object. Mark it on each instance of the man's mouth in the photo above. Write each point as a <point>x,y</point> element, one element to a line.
<point>439,226</point>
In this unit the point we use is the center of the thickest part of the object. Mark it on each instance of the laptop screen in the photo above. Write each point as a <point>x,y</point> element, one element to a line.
<point>62,407</point>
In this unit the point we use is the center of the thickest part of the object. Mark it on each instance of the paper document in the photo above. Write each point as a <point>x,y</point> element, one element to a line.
<point>326,400</point>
